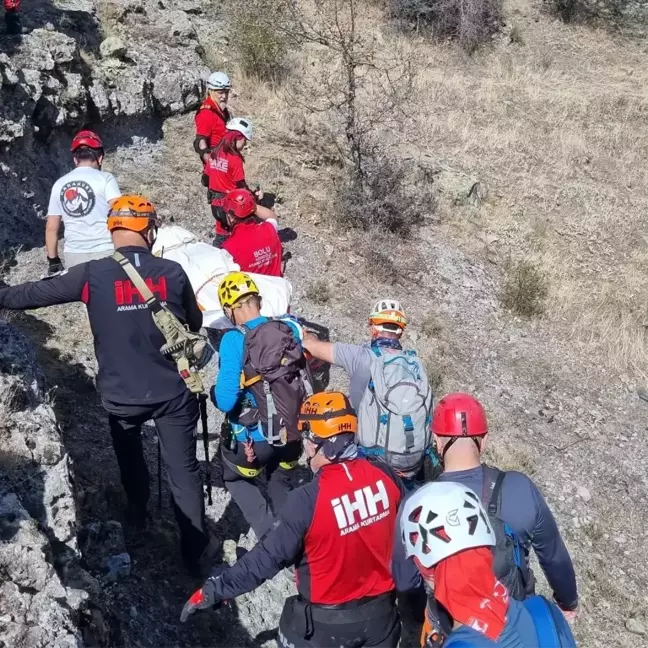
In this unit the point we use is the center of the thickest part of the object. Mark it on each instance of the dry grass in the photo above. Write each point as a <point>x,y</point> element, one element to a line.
<point>556,128</point>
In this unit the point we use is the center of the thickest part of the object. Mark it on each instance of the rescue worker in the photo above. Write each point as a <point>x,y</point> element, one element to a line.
<point>446,531</point>
<point>213,115</point>
<point>245,451</point>
<point>460,432</point>
<point>12,17</point>
<point>338,532</point>
<point>81,200</point>
<point>387,323</point>
<point>254,241</point>
<point>136,382</point>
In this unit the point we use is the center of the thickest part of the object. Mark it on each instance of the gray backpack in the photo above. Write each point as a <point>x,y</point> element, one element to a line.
<point>395,411</point>
<point>276,373</point>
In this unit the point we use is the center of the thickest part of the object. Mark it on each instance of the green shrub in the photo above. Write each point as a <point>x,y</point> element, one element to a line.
<point>470,22</point>
<point>261,49</point>
<point>525,289</point>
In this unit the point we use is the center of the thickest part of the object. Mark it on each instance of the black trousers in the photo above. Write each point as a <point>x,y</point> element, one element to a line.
<point>275,466</point>
<point>176,422</point>
<point>374,624</point>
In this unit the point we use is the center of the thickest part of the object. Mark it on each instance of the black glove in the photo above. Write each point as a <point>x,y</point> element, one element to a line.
<point>55,265</point>
<point>202,599</point>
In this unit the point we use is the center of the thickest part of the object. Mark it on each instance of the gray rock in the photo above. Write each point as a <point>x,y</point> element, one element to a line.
<point>113,47</point>
<point>636,627</point>
<point>32,594</point>
<point>181,30</point>
<point>584,494</point>
<point>8,76</point>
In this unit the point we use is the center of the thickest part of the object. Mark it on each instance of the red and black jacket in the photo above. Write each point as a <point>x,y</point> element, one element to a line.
<point>127,342</point>
<point>338,531</point>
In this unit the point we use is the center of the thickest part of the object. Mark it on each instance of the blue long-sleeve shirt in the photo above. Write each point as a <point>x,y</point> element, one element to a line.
<point>524,509</point>
<point>227,392</point>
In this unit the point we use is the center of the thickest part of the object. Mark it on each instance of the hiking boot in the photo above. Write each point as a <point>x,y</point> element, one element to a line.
<point>13,23</point>
<point>203,567</point>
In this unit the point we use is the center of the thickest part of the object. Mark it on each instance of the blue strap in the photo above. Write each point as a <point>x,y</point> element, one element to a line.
<point>545,627</point>
<point>368,452</point>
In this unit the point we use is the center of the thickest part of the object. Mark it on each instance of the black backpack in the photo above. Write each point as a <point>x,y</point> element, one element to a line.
<point>510,563</point>
<point>276,374</point>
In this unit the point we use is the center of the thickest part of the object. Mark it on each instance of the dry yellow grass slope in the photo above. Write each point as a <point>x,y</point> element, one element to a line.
<point>554,125</point>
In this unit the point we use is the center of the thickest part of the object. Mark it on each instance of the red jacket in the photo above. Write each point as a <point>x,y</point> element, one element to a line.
<point>256,247</point>
<point>210,122</point>
<point>225,172</point>
<point>339,531</point>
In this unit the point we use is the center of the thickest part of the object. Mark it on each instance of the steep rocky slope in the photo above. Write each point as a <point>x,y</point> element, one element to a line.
<point>558,410</point>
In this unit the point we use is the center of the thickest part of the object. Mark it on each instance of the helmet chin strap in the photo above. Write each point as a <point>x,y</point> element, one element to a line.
<point>477,441</point>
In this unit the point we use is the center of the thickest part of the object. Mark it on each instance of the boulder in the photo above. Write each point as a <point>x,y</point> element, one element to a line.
<point>113,47</point>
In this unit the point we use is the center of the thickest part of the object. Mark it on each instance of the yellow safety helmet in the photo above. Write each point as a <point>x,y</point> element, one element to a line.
<point>234,287</point>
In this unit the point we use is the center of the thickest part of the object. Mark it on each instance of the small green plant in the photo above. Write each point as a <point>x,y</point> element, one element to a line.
<point>261,49</point>
<point>589,11</point>
<point>431,327</point>
<point>319,292</point>
<point>434,372</point>
<point>525,289</point>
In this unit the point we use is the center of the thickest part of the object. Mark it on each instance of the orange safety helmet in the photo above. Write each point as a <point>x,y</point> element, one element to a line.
<point>132,212</point>
<point>325,415</point>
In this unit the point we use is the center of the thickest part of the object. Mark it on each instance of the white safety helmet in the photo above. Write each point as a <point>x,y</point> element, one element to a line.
<point>388,312</point>
<point>441,519</point>
<point>241,125</point>
<point>219,81</point>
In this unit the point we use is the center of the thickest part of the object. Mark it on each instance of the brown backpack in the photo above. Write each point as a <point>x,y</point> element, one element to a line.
<point>275,372</point>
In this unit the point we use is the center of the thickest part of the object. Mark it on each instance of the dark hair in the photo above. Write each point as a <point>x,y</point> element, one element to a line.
<point>226,145</point>
<point>87,154</point>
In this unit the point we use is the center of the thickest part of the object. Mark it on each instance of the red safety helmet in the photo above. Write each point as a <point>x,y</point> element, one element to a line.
<point>240,203</point>
<point>86,138</point>
<point>458,415</point>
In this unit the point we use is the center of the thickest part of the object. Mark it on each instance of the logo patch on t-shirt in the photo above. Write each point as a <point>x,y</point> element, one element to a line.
<point>365,504</point>
<point>77,198</point>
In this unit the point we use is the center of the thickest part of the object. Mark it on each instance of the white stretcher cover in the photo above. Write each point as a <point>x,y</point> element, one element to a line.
<point>206,266</point>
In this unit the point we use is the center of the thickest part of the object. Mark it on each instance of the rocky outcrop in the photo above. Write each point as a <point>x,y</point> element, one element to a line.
<point>52,80</point>
<point>121,66</point>
<point>37,511</point>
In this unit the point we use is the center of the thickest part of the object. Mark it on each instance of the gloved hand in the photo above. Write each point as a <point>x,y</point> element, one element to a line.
<point>202,599</point>
<point>55,265</point>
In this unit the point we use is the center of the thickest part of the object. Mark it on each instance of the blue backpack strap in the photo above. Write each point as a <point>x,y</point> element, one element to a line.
<point>545,626</point>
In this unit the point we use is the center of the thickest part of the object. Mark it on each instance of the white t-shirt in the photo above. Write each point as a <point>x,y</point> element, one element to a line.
<point>81,198</point>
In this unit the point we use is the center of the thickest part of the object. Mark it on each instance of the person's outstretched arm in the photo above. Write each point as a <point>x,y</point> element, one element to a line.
<point>278,548</point>
<point>64,288</point>
<point>318,348</point>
